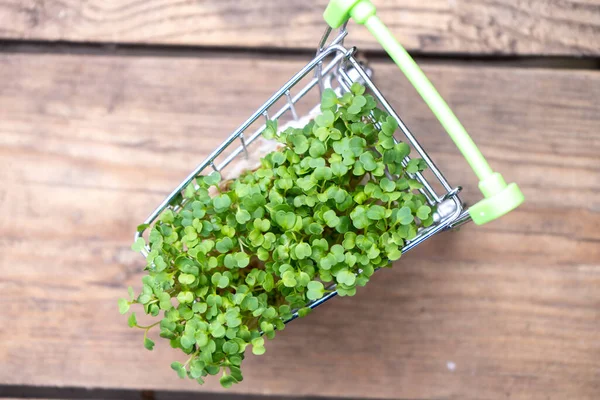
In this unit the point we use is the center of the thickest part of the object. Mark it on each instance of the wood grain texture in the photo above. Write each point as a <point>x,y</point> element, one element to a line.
<point>566,27</point>
<point>90,144</point>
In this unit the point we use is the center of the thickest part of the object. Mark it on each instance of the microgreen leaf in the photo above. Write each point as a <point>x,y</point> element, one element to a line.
<point>270,130</point>
<point>357,103</point>
<point>148,344</point>
<point>289,279</point>
<point>376,212</point>
<point>368,161</point>
<point>387,185</point>
<point>303,250</point>
<point>423,212</point>
<point>258,346</point>
<point>185,297</point>
<point>180,369</point>
<point>331,219</point>
<point>132,321</point>
<point>329,99</point>
<point>300,143</point>
<point>315,290</point>
<point>346,277</point>
<point>123,306</point>
<point>304,311</point>
<point>326,119</point>
<point>242,216</point>
<point>317,149</point>
<point>357,88</point>
<point>224,245</point>
<point>221,203</point>
<point>139,244</point>
<point>213,179</point>
<point>415,165</point>
<point>405,216</point>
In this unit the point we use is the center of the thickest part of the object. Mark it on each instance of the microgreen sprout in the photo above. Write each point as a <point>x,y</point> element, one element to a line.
<point>239,257</point>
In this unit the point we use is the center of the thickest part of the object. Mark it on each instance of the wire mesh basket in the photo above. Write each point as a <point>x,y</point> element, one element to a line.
<point>297,101</point>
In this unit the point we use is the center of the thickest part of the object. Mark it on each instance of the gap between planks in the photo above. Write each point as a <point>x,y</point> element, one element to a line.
<point>193,51</point>
<point>14,392</point>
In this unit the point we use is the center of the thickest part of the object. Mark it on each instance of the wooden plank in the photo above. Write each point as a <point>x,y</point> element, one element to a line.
<point>569,27</point>
<point>90,144</point>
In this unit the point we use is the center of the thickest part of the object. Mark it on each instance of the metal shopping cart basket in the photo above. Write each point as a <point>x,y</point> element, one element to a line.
<point>335,66</point>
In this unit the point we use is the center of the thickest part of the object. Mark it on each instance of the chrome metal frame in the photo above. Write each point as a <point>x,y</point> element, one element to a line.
<point>333,65</point>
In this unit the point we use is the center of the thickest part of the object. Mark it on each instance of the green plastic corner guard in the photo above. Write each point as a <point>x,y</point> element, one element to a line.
<point>499,198</point>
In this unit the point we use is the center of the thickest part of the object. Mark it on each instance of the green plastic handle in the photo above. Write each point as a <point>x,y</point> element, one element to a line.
<point>499,198</point>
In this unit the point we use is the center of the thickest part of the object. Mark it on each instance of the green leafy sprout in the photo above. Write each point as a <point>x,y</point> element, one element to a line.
<point>240,256</point>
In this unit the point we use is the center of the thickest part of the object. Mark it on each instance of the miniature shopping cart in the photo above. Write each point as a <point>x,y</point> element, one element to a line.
<point>336,67</point>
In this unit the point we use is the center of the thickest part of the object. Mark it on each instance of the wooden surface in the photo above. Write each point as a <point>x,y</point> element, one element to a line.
<point>89,144</point>
<point>567,27</point>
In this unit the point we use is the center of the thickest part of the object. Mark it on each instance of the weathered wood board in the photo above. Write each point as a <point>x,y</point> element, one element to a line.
<point>90,144</point>
<point>524,27</point>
